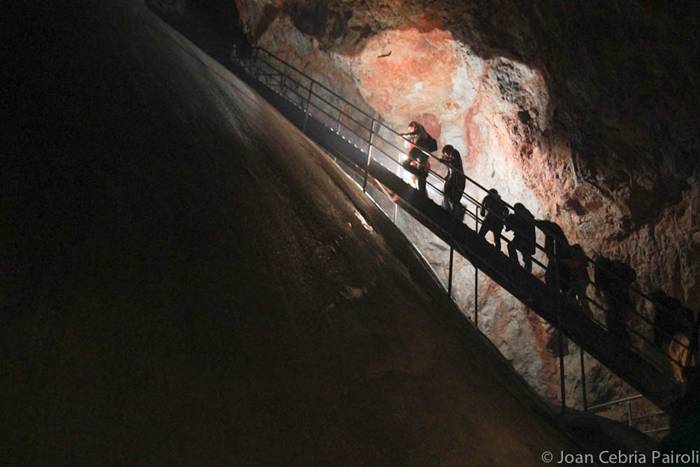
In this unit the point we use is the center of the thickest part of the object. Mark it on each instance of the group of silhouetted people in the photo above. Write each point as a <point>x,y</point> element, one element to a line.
<point>493,209</point>
<point>521,222</point>
<point>567,265</point>
<point>675,330</point>
<point>418,163</point>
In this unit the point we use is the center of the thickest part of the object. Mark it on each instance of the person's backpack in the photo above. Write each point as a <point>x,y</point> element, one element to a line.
<point>498,208</point>
<point>614,277</point>
<point>623,272</point>
<point>430,144</point>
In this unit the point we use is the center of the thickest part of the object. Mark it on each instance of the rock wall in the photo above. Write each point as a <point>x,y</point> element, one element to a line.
<point>584,111</point>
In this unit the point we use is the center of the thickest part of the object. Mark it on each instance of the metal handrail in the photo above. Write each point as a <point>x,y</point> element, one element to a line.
<point>469,199</point>
<point>649,415</point>
<point>381,124</point>
<point>366,171</point>
<point>317,83</point>
<point>637,333</point>
<point>466,177</point>
<point>598,407</point>
<point>631,420</point>
<point>657,430</point>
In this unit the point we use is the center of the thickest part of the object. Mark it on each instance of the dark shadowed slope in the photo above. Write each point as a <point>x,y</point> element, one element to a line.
<point>190,281</point>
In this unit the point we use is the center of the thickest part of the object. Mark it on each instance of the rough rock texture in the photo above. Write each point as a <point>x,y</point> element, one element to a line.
<point>587,112</point>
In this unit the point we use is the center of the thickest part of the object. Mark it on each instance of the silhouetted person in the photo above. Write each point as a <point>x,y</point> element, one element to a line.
<point>554,242</point>
<point>680,349</point>
<point>420,137</point>
<point>495,211</point>
<point>574,276</point>
<point>241,48</point>
<point>522,223</point>
<point>454,182</point>
<point>613,279</point>
<point>675,331</point>
<point>684,436</point>
<point>695,341</point>
<point>665,322</point>
<point>417,162</point>
<point>556,247</point>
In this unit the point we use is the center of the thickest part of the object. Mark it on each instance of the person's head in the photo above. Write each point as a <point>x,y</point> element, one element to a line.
<point>448,150</point>
<point>415,126</point>
<point>493,192</point>
<point>519,207</point>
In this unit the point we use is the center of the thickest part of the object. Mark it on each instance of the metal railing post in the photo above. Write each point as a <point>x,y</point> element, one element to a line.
<point>692,358</point>
<point>308,104</point>
<point>340,116</point>
<point>562,379</point>
<point>476,273</point>
<point>629,413</point>
<point>369,157</point>
<point>583,381</point>
<point>396,203</point>
<point>455,220</point>
<point>256,61</point>
<point>449,276</point>
<point>560,334</point>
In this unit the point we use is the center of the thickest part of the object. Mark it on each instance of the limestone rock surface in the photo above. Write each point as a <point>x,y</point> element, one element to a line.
<point>586,112</point>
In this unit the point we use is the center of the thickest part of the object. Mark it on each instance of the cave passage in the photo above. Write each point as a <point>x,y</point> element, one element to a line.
<point>191,283</point>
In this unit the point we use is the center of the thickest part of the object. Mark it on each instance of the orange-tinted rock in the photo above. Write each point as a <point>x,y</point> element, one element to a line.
<point>406,73</point>
<point>431,122</point>
<point>585,114</point>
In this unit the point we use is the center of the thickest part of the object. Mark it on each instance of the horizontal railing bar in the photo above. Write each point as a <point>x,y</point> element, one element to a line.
<point>341,112</point>
<point>653,325</point>
<point>657,430</point>
<point>315,81</point>
<point>649,415</point>
<point>305,88</point>
<point>644,318</point>
<point>615,402</point>
<point>333,106</point>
